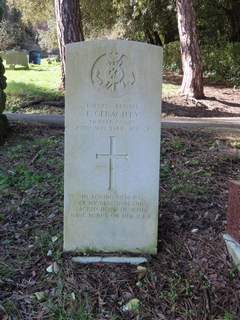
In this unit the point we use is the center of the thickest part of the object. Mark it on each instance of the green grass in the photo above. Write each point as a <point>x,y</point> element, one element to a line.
<point>39,82</point>
<point>31,216</point>
<point>42,82</point>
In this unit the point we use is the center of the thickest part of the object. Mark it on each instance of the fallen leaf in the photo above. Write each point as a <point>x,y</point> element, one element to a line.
<point>132,306</point>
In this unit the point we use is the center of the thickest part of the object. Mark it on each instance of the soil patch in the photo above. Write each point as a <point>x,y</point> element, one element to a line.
<point>220,101</point>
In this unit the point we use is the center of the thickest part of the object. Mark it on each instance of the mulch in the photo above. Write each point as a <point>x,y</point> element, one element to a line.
<point>191,277</point>
<point>221,100</point>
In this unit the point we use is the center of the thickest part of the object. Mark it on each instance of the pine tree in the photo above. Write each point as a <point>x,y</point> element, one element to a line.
<point>69,27</point>
<point>192,84</point>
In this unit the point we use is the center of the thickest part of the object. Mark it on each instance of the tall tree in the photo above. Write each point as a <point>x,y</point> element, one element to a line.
<point>192,84</point>
<point>69,27</point>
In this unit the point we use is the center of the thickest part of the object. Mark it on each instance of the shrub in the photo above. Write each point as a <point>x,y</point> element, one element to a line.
<point>221,62</point>
<point>48,38</point>
<point>172,57</point>
<point>3,118</point>
<point>8,37</point>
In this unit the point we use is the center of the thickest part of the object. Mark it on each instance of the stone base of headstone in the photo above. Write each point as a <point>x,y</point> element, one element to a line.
<point>109,260</point>
<point>233,248</point>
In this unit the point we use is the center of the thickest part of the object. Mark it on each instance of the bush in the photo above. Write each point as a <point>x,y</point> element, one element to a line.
<point>48,38</point>
<point>221,62</point>
<point>8,37</point>
<point>172,57</point>
<point>3,118</point>
<point>3,127</point>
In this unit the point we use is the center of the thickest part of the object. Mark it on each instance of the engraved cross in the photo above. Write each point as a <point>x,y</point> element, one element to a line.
<point>112,156</point>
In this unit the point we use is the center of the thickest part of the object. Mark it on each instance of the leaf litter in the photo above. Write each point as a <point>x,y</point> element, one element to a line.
<point>191,277</point>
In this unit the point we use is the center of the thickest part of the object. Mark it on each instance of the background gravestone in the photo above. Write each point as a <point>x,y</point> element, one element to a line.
<point>14,57</point>
<point>112,146</point>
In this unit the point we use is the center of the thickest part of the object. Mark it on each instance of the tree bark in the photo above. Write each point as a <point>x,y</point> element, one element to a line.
<point>158,41</point>
<point>69,28</point>
<point>192,84</point>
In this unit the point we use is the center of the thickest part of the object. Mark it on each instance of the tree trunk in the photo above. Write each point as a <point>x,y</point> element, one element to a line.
<point>153,38</point>
<point>192,84</point>
<point>149,36</point>
<point>69,27</point>
<point>158,41</point>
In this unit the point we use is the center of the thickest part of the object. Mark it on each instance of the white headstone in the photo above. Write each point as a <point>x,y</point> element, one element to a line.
<point>112,146</point>
<point>14,57</point>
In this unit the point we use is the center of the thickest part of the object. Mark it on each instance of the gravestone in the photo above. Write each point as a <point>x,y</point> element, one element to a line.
<point>112,146</point>
<point>14,58</point>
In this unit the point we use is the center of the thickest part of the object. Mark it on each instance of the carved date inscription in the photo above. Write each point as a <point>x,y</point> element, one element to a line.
<point>108,206</point>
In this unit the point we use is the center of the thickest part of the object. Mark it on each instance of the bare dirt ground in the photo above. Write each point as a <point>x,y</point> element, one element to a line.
<point>192,276</point>
<point>220,101</point>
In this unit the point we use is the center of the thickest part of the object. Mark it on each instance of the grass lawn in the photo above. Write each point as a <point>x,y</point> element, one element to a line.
<point>39,82</point>
<point>42,82</point>
<point>192,276</point>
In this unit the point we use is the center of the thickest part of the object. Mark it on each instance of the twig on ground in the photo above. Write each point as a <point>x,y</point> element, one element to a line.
<point>35,157</point>
<point>198,102</point>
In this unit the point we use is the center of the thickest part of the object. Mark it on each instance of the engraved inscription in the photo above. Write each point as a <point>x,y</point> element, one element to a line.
<point>108,206</point>
<point>112,156</point>
<point>112,117</point>
<point>111,73</point>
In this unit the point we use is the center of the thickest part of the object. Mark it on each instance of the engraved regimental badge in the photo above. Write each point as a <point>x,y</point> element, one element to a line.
<point>112,73</point>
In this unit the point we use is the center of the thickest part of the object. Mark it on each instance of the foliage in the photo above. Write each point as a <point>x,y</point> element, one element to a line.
<point>148,20</point>
<point>2,7</point>
<point>35,83</point>
<point>13,31</point>
<point>22,179</point>
<point>218,20</point>
<point>221,62</point>
<point>140,19</point>
<point>36,14</point>
<point>172,57</point>
<point>212,21</point>
<point>33,11</point>
<point>228,316</point>
<point>3,84</point>
<point>98,19</point>
<point>10,35</point>
<point>48,38</point>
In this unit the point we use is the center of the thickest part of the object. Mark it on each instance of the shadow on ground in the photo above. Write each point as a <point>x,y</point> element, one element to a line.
<point>30,90</point>
<point>221,100</point>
